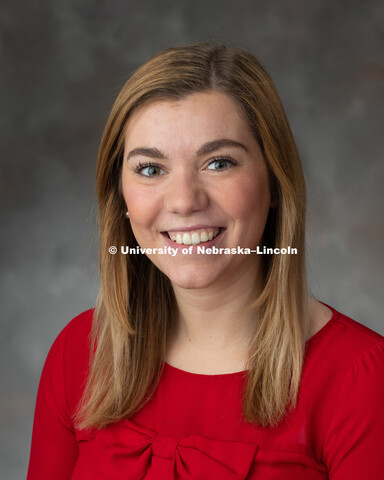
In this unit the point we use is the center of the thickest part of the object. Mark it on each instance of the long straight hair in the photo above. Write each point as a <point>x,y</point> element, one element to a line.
<point>136,306</point>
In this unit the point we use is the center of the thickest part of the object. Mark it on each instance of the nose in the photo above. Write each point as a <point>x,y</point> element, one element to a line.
<point>186,194</point>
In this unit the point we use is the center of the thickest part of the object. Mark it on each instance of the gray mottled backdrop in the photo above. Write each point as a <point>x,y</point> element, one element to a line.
<point>63,62</point>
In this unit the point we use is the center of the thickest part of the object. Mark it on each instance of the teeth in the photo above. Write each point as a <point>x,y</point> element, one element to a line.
<point>194,238</point>
<point>187,239</point>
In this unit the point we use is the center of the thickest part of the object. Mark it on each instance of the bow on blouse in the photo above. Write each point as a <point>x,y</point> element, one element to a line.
<point>130,451</point>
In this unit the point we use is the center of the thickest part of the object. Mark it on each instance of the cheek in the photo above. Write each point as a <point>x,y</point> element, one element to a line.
<point>142,205</point>
<point>250,198</point>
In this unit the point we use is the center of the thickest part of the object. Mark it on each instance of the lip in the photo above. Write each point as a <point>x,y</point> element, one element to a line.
<point>180,247</point>
<point>189,229</point>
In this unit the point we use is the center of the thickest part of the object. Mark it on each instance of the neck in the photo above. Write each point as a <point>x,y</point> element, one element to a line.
<point>217,318</point>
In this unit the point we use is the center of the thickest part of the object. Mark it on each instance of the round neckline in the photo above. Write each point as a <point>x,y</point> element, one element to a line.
<point>230,376</point>
<point>204,376</point>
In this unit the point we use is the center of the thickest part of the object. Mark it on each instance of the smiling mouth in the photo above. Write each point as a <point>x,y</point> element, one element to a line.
<point>194,237</point>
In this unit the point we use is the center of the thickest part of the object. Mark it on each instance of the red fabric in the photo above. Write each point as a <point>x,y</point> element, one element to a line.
<point>192,428</point>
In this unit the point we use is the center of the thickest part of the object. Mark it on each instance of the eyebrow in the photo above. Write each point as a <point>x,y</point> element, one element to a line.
<point>205,149</point>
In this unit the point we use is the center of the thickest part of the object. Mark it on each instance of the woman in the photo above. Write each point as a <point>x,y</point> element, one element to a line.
<point>208,359</point>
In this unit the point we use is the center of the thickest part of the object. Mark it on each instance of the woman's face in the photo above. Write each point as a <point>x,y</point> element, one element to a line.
<point>193,173</point>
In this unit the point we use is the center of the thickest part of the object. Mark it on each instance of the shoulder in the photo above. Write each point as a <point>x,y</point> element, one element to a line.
<point>356,339</point>
<point>344,338</point>
<point>80,325</point>
<point>73,341</point>
<point>363,350</point>
<point>356,328</point>
<point>344,349</point>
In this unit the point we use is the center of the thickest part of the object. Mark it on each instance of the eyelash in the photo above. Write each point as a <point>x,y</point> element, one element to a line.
<point>141,166</point>
<point>224,158</point>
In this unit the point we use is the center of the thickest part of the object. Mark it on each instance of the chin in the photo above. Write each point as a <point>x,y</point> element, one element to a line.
<point>192,279</point>
<point>189,284</point>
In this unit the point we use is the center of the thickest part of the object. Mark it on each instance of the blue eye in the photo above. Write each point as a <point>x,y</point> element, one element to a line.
<point>148,170</point>
<point>221,164</point>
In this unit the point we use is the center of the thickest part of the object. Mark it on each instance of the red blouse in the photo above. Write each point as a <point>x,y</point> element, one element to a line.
<point>192,428</point>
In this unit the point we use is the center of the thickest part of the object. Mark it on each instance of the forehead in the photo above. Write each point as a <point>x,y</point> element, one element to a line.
<point>190,121</point>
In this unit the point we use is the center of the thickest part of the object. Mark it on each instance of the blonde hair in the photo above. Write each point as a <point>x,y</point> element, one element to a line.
<point>135,309</point>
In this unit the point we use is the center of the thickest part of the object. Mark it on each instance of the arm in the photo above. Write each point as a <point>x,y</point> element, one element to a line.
<point>54,448</point>
<point>354,445</point>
